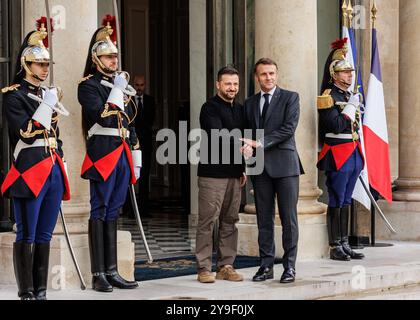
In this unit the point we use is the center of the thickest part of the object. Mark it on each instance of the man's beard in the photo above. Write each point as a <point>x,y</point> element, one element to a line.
<point>227,97</point>
<point>111,69</point>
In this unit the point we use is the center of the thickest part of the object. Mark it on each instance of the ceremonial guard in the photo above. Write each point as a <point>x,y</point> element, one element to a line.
<point>37,181</point>
<point>341,156</point>
<point>113,158</point>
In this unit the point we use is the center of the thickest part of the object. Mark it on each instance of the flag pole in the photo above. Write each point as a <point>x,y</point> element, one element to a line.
<point>344,13</point>
<point>374,14</point>
<point>350,14</point>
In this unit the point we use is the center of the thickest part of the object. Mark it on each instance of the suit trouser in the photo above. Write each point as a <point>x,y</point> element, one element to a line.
<point>287,191</point>
<point>217,198</point>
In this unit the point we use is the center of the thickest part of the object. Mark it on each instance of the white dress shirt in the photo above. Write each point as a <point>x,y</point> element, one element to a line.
<point>262,100</point>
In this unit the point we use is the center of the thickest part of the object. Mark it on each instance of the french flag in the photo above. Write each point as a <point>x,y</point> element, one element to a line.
<point>359,193</point>
<point>375,129</point>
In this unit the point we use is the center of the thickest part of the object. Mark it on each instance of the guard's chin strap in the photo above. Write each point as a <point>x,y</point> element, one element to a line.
<point>29,72</point>
<point>101,66</point>
<point>342,83</point>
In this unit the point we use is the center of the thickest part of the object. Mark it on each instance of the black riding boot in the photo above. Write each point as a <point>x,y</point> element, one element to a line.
<point>112,275</point>
<point>333,225</point>
<point>97,259</point>
<point>22,261</point>
<point>40,270</point>
<point>344,221</point>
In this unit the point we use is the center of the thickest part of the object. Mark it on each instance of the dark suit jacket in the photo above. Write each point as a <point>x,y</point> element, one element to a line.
<point>145,120</point>
<point>281,158</point>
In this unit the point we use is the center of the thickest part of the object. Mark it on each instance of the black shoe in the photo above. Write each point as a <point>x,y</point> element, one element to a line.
<point>263,273</point>
<point>112,275</point>
<point>119,282</point>
<point>28,296</point>
<point>353,254</point>
<point>100,283</point>
<point>337,253</point>
<point>288,276</point>
<point>344,221</point>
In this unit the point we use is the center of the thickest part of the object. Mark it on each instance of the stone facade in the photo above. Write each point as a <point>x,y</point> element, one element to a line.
<point>287,32</point>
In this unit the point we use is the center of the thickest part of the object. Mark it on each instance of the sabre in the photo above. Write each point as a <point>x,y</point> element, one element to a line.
<point>381,214</point>
<point>49,31</point>
<point>63,221</point>
<point>132,191</point>
<point>137,214</point>
<point>73,256</point>
<point>59,108</point>
<point>129,91</point>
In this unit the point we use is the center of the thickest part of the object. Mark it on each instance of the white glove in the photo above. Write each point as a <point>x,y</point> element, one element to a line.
<point>120,82</point>
<point>116,96</point>
<point>354,100</point>
<point>350,111</point>
<point>137,171</point>
<point>137,162</point>
<point>50,97</point>
<point>44,112</point>
<point>66,168</point>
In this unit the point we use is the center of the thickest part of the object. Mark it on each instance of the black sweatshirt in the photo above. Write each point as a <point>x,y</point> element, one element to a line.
<point>217,114</point>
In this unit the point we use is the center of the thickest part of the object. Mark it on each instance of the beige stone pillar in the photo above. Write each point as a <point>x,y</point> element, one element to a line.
<point>405,211</point>
<point>286,31</point>
<point>76,21</point>
<point>409,170</point>
<point>198,81</point>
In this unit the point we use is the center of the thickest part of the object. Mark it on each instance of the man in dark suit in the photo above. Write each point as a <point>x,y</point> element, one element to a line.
<point>144,129</point>
<point>276,111</point>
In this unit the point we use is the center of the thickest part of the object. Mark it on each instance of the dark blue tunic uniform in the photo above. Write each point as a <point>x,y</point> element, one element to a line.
<point>341,156</point>
<point>37,181</point>
<point>108,162</point>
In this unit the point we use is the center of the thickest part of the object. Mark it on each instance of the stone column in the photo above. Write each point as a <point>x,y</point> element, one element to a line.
<point>287,32</point>
<point>76,21</point>
<point>405,211</point>
<point>198,81</point>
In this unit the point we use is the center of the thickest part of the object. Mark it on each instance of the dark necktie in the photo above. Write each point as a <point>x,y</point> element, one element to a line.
<point>266,105</point>
<point>139,104</point>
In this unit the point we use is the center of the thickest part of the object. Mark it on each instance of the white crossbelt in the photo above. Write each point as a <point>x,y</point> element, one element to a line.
<point>98,130</point>
<point>38,143</point>
<point>343,136</point>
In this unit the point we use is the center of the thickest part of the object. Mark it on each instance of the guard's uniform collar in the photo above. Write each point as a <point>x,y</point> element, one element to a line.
<point>100,76</point>
<point>31,88</point>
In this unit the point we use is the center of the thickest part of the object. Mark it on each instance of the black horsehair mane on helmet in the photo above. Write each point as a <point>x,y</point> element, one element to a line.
<point>20,72</point>
<point>90,67</point>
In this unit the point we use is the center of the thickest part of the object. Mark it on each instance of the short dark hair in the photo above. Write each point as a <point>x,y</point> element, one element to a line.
<point>227,70</point>
<point>266,62</point>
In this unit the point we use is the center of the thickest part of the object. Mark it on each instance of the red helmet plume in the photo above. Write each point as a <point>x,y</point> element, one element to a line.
<point>113,23</point>
<point>339,44</point>
<point>43,22</point>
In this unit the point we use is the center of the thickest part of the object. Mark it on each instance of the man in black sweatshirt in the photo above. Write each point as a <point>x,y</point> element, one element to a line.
<point>221,175</point>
